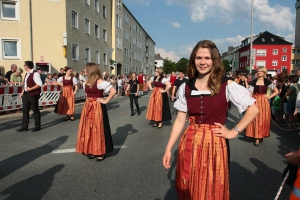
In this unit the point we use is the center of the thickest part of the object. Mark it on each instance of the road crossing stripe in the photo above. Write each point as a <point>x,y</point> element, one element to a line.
<point>73,150</point>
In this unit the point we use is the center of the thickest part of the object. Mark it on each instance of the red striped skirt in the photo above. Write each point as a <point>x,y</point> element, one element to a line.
<point>66,102</point>
<point>260,126</point>
<point>202,164</point>
<point>154,112</point>
<point>90,138</point>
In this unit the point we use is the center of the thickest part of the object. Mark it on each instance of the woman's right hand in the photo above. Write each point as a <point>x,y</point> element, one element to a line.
<point>166,159</point>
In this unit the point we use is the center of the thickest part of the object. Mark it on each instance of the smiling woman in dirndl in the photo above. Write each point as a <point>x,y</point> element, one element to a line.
<point>202,162</point>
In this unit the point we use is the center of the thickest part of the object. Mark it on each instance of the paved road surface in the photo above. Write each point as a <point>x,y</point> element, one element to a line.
<point>43,165</point>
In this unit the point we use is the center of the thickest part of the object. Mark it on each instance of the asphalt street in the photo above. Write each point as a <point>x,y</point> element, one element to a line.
<point>43,165</point>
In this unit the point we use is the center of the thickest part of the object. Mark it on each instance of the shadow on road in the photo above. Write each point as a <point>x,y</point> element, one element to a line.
<point>171,193</point>
<point>143,108</point>
<point>18,161</point>
<point>112,105</point>
<point>34,187</point>
<point>264,182</point>
<point>120,136</point>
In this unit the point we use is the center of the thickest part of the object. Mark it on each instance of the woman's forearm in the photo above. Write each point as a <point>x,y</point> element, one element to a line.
<point>248,117</point>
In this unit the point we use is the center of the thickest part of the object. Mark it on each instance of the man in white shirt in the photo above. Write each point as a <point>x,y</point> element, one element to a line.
<point>30,97</point>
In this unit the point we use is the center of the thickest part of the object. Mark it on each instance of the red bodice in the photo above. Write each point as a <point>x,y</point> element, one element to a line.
<point>207,109</point>
<point>158,84</point>
<point>94,91</point>
<point>67,82</point>
<point>260,89</point>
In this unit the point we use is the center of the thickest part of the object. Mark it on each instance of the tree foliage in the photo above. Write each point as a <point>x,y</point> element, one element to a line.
<point>226,65</point>
<point>169,66</point>
<point>182,65</point>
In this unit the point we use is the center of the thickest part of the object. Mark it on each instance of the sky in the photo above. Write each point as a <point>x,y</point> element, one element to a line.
<point>176,26</point>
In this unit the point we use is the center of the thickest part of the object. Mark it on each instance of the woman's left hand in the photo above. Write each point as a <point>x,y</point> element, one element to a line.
<point>101,100</point>
<point>267,96</point>
<point>222,131</point>
<point>162,91</point>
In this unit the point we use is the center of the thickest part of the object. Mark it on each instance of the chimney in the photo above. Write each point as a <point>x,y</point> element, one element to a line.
<point>158,54</point>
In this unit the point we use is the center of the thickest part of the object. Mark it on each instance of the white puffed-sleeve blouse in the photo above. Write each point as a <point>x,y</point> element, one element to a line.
<point>235,93</point>
<point>104,86</point>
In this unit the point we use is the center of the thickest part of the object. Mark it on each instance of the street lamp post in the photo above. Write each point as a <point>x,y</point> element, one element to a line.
<point>109,52</point>
<point>251,34</point>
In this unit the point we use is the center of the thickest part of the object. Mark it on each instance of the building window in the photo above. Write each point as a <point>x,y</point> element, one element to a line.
<point>11,48</point>
<point>274,63</point>
<point>261,52</point>
<point>119,42</point>
<point>104,59</point>
<point>96,31</point>
<point>283,67</point>
<point>275,51</point>
<point>87,54</point>
<point>87,26</point>
<point>284,50</point>
<point>104,11</point>
<point>119,3</point>
<point>74,19</point>
<point>261,63</point>
<point>104,35</point>
<point>263,39</point>
<point>296,51</point>
<point>119,19</point>
<point>272,39</point>
<point>284,58</point>
<point>87,2</point>
<point>97,5</point>
<point>9,10</point>
<point>75,52</point>
<point>97,57</point>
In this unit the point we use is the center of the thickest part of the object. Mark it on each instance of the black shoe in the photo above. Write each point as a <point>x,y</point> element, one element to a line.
<point>22,129</point>
<point>261,140</point>
<point>36,129</point>
<point>139,113</point>
<point>132,114</point>
<point>91,156</point>
<point>100,159</point>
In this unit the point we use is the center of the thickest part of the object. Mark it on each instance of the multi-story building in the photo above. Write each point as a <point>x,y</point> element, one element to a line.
<point>54,34</point>
<point>232,55</point>
<point>138,46</point>
<point>296,48</point>
<point>269,50</point>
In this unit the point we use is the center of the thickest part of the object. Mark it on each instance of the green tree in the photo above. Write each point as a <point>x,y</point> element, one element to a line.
<point>182,65</point>
<point>226,65</point>
<point>169,66</point>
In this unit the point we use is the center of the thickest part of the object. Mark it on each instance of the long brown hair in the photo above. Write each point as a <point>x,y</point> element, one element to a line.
<point>215,77</point>
<point>93,73</point>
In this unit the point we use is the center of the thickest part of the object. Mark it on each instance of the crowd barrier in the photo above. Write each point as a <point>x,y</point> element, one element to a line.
<point>10,96</point>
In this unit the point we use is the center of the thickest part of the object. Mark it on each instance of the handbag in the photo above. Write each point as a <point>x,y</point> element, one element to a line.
<point>128,92</point>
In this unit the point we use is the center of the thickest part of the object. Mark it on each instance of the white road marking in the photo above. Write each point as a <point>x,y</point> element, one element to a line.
<point>73,150</point>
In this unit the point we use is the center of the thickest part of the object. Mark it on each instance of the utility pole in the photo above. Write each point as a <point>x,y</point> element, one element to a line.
<point>251,33</point>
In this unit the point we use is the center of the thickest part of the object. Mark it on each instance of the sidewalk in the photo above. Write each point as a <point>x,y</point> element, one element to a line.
<point>19,115</point>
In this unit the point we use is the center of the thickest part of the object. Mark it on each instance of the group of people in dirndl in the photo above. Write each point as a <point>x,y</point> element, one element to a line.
<point>202,170</point>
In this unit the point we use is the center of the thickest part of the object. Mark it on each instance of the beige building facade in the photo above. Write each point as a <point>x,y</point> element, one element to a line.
<point>58,33</point>
<point>296,48</point>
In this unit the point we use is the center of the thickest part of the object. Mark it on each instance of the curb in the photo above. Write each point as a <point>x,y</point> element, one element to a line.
<point>20,115</point>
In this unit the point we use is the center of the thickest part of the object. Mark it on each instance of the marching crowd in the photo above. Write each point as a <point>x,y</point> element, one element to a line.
<point>202,170</point>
